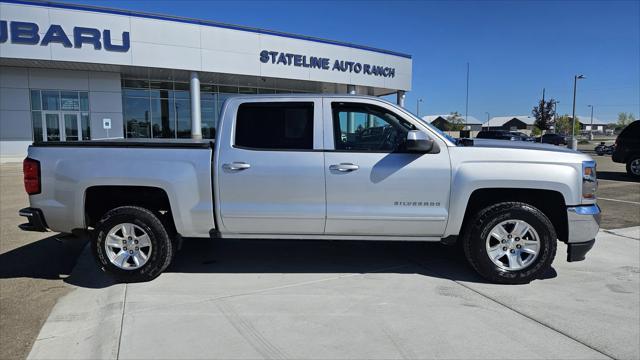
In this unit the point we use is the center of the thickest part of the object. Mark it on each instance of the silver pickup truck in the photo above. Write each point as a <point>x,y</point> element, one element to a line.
<point>333,167</point>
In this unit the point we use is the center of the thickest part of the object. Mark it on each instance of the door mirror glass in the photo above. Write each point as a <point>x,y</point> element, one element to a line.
<point>418,141</point>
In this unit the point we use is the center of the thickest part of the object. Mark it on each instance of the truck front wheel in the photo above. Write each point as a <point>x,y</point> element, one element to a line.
<point>510,243</point>
<point>132,244</point>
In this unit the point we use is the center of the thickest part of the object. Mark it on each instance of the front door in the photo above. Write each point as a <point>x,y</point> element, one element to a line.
<point>52,129</point>
<point>61,126</point>
<point>270,168</point>
<point>374,187</point>
<point>72,128</point>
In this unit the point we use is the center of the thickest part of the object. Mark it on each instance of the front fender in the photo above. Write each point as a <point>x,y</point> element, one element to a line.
<point>471,176</point>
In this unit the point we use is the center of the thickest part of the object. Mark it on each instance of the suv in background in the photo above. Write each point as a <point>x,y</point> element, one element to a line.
<point>627,148</point>
<point>497,135</point>
<point>523,136</point>
<point>554,139</point>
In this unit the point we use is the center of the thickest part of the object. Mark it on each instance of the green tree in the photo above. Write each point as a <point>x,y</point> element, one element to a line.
<point>624,119</point>
<point>563,125</point>
<point>544,113</point>
<point>456,121</point>
<point>536,131</point>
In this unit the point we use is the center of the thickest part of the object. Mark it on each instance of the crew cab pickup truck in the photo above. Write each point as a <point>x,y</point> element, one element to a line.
<point>334,167</point>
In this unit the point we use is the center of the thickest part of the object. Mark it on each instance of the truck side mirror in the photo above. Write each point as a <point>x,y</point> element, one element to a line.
<point>418,141</point>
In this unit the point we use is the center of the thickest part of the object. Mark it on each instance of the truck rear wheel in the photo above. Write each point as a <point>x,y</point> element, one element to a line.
<point>132,244</point>
<point>510,243</point>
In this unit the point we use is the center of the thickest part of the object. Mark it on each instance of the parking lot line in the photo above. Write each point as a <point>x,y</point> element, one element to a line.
<point>622,201</point>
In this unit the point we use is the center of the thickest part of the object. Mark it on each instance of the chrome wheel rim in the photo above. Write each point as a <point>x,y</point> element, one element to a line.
<point>635,166</point>
<point>513,245</point>
<point>128,246</point>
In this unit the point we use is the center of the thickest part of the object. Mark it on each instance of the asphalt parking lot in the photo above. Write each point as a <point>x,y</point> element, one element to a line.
<point>618,194</point>
<point>278,299</point>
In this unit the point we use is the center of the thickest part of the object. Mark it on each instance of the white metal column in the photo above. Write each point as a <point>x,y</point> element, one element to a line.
<point>196,121</point>
<point>400,98</point>
<point>351,117</point>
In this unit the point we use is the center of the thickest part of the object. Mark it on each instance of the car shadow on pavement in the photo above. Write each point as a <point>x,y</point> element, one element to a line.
<point>303,256</point>
<point>51,258</point>
<point>616,176</point>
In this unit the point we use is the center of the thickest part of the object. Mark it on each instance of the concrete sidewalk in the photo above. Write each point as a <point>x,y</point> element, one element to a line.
<point>350,300</point>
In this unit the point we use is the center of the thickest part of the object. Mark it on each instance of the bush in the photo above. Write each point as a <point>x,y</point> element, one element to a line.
<point>583,142</point>
<point>535,131</point>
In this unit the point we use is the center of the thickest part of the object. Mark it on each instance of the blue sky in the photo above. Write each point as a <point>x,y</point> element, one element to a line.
<point>515,48</point>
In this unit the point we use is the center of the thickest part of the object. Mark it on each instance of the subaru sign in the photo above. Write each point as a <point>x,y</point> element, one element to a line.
<point>27,33</point>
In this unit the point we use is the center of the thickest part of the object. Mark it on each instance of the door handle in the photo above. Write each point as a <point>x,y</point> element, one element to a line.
<point>236,166</point>
<point>344,167</point>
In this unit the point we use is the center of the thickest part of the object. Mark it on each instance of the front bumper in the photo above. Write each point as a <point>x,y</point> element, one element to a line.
<point>583,225</point>
<point>36,220</point>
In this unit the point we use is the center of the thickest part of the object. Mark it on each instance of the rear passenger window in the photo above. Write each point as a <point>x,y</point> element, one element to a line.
<point>278,126</point>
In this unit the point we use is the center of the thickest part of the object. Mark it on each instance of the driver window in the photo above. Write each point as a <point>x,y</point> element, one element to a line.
<point>368,128</point>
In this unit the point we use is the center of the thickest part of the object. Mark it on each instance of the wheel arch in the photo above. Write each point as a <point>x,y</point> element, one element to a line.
<point>100,199</point>
<point>551,203</point>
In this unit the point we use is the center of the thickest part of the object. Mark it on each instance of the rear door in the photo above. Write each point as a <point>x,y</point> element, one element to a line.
<point>270,167</point>
<point>374,187</point>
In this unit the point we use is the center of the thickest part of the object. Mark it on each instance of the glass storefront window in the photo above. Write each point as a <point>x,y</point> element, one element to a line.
<point>36,102</point>
<point>137,117</point>
<point>228,89</point>
<point>86,126</point>
<point>55,115</point>
<point>183,118</point>
<point>181,86</point>
<point>161,118</point>
<point>181,94</point>
<point>161,93</point>
<point>167,107</point>
<point>204,96</point>
<point>50,100</point>
<point>165,85</point>
<point>209,119</point>
<point>247,90</point>
<point>136,93</point>
<point>84,101</point>
<point>208,88</point>
<point>52,123</point>
<point>168,114</point>
<point>69,101</point>
<point>36,121</point>
<point>139,84</point>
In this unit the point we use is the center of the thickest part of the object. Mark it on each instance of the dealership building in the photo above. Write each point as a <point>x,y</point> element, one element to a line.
<point>74,72</point>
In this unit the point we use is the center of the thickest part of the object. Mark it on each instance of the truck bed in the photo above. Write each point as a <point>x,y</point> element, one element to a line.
<point>181,169</point>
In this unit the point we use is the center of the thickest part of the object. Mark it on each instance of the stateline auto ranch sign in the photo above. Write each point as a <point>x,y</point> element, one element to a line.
<point>313,62</point>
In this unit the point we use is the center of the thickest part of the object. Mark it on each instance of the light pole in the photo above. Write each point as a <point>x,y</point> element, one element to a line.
<point>418,101</point>
<point>488,120</point>
<point>555,116</point>
<point>555,111</point>
<point>574,141</point>
<point>591,129</point>
<point>466,106</point>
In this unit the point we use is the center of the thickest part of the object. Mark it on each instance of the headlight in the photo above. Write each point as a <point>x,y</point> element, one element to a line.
<point>589,180</point>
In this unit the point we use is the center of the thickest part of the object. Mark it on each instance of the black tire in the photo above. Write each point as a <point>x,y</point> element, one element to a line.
<point>161,244</point>
<point>477,229</point>
<point>632,159</point>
